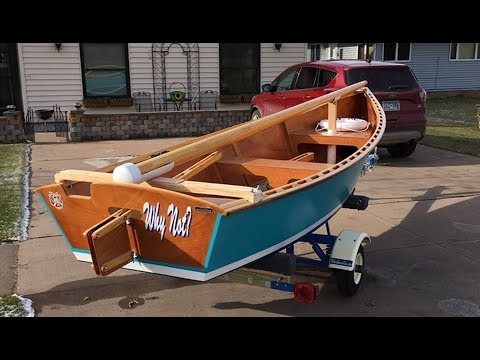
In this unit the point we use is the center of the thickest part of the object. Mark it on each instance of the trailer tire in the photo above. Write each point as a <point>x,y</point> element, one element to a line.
<point>349,281</point>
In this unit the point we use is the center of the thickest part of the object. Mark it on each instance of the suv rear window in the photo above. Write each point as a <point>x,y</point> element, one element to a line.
<point>383,79</point>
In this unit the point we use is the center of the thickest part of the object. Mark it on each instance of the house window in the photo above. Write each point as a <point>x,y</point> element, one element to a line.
<point>105,70</point>
<point>396,52</point>
<point>365,51</point>
<point>239,68</point>
<point>315,52</point>
<point>464,51</point>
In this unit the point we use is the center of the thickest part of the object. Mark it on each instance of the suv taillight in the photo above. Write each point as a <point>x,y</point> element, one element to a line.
<point>423,97</point>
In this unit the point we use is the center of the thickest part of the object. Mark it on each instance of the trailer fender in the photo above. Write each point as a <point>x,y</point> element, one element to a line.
<point>345,249</point>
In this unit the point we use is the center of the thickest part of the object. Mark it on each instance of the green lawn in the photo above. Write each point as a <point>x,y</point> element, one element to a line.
<point>12,170</point>
<point>11,306</point>
<point>452,125</point>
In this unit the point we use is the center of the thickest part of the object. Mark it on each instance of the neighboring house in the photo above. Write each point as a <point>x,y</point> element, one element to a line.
<point>438,66</point>
<point>39,75</point>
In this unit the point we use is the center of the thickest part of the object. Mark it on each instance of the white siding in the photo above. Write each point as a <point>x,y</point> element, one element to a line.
<point>49,76</point>
<point>209,67</point>
<point>273,62</point>
<point>54,77</point>
<point>141,74</point>
<point>325,53</point>
<point>350,51</point>
<point>140,61</point>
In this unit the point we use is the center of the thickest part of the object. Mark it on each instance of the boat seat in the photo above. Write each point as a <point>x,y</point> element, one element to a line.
<point>277,172</point>
<point>357,139</point>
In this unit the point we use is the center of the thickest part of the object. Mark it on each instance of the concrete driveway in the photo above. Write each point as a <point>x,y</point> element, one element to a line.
<point>423,261</point>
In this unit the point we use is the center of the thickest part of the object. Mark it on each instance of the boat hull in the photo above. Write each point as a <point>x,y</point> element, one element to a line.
<point>226,241</point>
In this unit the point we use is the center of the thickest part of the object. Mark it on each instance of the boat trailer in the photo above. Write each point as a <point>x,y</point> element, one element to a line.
<point>342,254</point>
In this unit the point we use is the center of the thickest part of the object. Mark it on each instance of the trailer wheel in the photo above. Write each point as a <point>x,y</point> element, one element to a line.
<point>349,281</point>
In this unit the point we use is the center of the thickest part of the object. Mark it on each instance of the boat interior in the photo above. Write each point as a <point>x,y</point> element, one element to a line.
<point>269,162</point>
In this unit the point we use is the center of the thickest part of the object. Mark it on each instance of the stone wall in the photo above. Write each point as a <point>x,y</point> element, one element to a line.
<point>137,125</point>
<point>11,127</point>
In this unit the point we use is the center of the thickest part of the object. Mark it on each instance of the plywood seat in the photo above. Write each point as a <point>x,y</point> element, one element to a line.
<point>274,163</point>
<point>278,172</point>
<point>347,138</point>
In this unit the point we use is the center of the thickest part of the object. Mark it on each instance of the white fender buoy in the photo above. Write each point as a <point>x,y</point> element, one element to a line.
<point>130,173</point>
<point>345,124</point>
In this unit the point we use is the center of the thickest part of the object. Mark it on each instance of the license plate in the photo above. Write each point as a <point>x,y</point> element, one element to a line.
<point>393,105</point>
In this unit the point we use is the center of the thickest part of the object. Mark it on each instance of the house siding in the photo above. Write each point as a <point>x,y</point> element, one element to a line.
<point>49,76</point>
<point>324,53</point>
<point>54,77</point>
<point>273,62</point>
<point>350,51</point>
<point>436,72</point>
<point>141,73</point>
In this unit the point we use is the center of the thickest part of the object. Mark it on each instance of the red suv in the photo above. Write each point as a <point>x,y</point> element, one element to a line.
<point>394,85</point>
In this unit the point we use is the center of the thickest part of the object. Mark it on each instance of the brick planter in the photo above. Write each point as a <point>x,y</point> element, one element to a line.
<point>138,125</point>
<point>11,127</point>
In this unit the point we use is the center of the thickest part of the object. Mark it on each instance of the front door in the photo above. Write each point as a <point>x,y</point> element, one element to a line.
<point>239,69</point>
<point>9,77</point>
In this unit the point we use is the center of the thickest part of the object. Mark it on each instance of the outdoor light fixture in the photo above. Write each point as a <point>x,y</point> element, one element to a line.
<point>278,46</point>
<point>58,46</point>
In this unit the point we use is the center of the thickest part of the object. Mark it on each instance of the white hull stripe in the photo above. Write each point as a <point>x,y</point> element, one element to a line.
<point>200,276</point>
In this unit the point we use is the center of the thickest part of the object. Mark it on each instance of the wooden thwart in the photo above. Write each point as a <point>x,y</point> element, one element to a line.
<point>278,172</point>
<point>250,194</point>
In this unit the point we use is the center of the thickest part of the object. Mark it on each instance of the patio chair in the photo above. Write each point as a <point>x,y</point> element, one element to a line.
<point>142,101</point>
<point>208,100</point>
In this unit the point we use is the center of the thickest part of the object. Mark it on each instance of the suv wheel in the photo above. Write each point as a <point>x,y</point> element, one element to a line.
<point>402,150</point>
<point>255,115</point>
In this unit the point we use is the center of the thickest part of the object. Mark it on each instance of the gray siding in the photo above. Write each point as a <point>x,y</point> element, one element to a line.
<point>435,71</point>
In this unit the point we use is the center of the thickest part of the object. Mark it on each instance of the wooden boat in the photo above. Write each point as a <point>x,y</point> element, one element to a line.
<point>220,201</point>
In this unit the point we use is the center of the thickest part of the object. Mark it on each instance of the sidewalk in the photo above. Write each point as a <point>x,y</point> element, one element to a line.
<point>8,266</point>
<point>424,259</point>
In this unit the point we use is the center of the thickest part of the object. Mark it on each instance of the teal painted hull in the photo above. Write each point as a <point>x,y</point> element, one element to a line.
<point>280,222</point>
<point>245,236</point>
